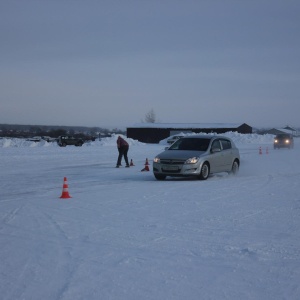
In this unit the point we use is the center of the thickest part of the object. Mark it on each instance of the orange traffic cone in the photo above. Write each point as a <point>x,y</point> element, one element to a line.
<point>65,191</point>
<point>131,163</point>
<point>146,166</point>
<point>260,152</point>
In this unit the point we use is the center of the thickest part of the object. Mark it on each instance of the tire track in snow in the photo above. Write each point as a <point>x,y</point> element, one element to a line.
<point>62,247</point>
<point>9,217</point>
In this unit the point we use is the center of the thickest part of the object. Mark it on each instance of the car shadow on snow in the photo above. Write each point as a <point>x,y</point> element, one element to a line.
<point>148,176</point>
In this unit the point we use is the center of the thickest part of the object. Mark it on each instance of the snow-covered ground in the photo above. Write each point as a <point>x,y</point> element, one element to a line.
<point>124,235</point>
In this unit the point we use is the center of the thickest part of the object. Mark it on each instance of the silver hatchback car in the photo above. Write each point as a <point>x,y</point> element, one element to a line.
<point>197,155</point>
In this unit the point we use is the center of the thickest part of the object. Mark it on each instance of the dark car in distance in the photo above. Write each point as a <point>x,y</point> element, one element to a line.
<point>64,141</point>
<point>283,140</point>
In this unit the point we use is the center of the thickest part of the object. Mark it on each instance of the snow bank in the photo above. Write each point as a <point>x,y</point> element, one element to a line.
<point>238,138</point>
<point>112,141</point>
<point>18,142</point>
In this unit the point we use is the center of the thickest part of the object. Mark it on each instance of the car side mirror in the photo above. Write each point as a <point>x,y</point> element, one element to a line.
<point>167,148</point>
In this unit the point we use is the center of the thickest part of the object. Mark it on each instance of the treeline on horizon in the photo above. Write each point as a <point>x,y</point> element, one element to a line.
<point>54,131</point>
<point>16,130</point>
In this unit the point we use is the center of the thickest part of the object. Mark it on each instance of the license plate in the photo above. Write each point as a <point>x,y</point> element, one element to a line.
<point>170,168</point>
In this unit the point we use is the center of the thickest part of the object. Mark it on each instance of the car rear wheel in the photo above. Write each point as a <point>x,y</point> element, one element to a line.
<point>204,173</point>
<point>235,167</point>
<point>160,176</point>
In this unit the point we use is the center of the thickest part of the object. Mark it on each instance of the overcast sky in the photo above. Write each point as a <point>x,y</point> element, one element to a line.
<point>108,63</point>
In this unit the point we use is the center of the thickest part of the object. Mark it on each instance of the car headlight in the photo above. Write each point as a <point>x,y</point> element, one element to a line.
<point>287,141</point>
<point>276,141</point>
<point>156,160</point>
<point>192,160</point>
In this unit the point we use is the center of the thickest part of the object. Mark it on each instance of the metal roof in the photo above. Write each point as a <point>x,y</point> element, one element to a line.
<point>187,125</point>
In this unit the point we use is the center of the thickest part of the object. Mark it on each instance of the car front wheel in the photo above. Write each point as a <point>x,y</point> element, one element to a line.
<point>204,173</point>
<point>160,176</point>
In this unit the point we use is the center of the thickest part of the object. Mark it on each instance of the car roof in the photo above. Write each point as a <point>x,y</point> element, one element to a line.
<point>208,136</point>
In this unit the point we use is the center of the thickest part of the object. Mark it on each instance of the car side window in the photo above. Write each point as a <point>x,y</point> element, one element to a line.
<point>216,145</point>
<point>226,144</point>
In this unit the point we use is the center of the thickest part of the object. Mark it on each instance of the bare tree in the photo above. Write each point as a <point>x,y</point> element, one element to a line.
<point>150,116</point>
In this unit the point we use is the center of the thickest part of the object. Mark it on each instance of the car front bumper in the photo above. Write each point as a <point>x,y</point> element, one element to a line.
<point>176,170</point>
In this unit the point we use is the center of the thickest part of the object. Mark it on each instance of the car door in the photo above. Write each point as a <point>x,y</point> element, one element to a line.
<point>227,154</point>
<point>216,157</point>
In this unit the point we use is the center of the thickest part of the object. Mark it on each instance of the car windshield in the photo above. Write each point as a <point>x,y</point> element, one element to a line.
<point>283,136</point>
<point>192,144</point>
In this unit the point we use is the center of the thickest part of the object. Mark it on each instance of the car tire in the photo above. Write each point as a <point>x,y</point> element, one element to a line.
<point>63,144</point>
<point>235,167</point>
<point>204,172</point>
<point>160,176</point>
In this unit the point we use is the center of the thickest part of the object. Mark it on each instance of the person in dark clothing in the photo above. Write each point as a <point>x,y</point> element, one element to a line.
<point>123,148</point>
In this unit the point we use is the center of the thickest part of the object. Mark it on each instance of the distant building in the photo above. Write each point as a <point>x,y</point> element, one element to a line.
<point>286,129</point>
<point>293,131</point>
<point>155,132</point>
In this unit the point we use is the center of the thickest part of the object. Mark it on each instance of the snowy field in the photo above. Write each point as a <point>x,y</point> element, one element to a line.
<point>124,235</point>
